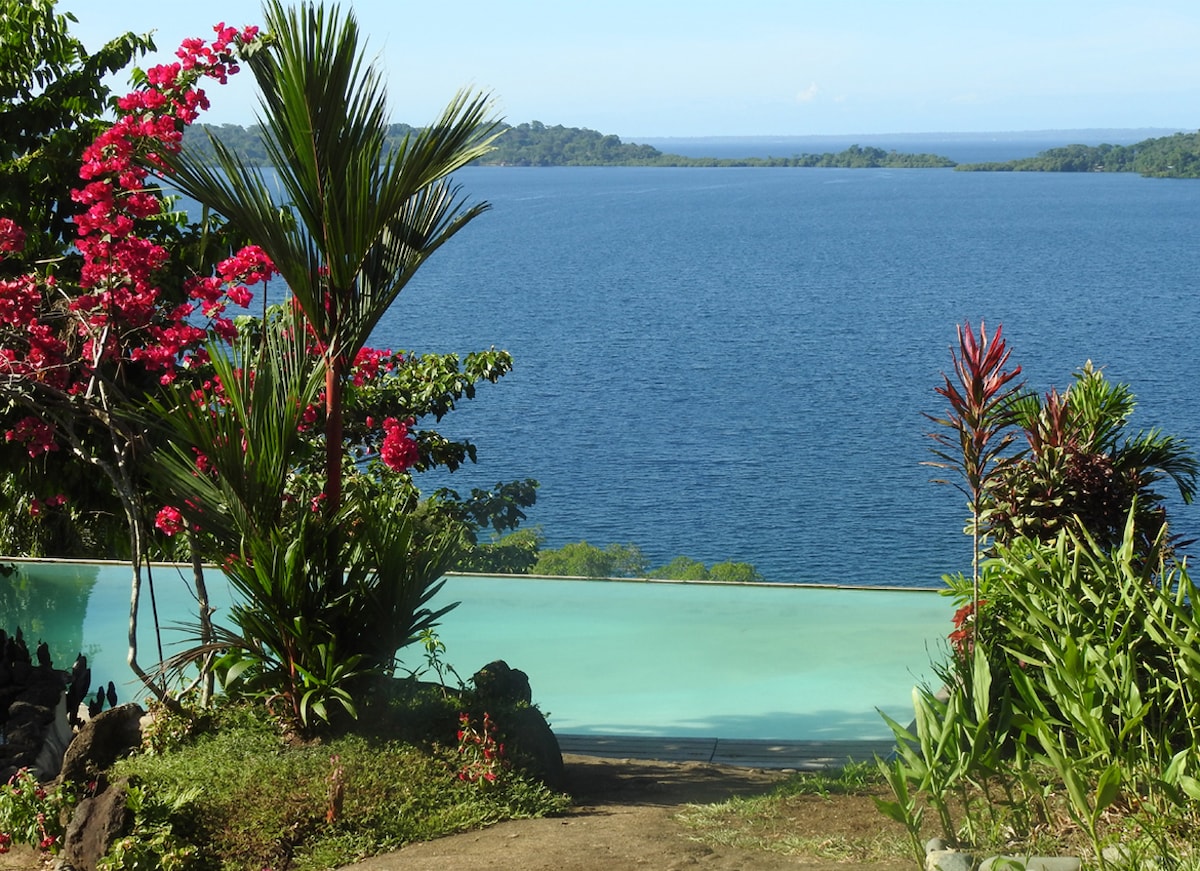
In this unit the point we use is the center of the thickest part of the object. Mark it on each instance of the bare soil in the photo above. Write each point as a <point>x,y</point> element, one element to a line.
<point>624,819</point>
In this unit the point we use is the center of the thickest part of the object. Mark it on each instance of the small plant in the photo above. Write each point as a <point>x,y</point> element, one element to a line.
<point>337,789</point>
<point>153,845</point>
<point>31,813</point>
<point>976,427</point>
<point>480,753</point>
<point>434,647</point>
<point>168,727</point>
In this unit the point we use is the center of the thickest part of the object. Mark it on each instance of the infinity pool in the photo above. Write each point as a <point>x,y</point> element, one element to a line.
<point>603,657</point>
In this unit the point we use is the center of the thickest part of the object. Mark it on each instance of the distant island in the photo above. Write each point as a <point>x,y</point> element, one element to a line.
<point>1176,156</point>
<point>536,144</point>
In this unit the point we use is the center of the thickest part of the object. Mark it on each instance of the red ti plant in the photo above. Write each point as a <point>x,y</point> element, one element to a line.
<point>975,427</point>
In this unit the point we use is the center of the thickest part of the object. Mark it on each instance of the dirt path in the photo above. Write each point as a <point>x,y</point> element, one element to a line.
<point>623,821</point>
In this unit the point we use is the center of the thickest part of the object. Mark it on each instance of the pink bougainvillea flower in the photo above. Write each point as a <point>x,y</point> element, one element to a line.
<point>398,451</point>
<point>169,520</point>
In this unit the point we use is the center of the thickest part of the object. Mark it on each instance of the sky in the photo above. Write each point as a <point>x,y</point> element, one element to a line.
<point>670,68</point>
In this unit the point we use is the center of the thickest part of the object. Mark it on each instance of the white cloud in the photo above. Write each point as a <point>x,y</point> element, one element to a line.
<point>808,94</point>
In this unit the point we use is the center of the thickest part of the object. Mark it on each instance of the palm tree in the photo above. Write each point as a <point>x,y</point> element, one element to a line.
<point>357,219</point>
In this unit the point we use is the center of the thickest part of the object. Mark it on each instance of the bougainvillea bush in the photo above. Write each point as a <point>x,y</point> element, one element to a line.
<point>280,446</point>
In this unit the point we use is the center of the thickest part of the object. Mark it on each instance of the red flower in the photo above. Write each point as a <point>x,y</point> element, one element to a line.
<point>12,237</point>
<point>169,520</point>
<point>398,451</point>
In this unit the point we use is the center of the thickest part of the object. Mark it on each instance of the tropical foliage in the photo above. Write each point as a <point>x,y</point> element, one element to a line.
<point>53,98</point>
<point>1076,678</point>
<point>1081,472</point>
<point>1071,690</point>
<point>345,257</point>
<point>282,445</point>
<point>1033,466</point>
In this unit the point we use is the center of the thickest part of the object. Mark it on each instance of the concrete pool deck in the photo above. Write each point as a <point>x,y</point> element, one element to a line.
<point>746,753</point>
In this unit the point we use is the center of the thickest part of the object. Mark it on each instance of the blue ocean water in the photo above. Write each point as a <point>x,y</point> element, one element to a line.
<point>733,364</point>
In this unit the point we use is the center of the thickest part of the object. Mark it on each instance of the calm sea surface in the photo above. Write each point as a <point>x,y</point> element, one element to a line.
<point>733,363</point>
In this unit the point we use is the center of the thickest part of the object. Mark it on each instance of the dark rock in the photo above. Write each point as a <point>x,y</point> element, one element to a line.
<point>534,747</point>
<point>43,688</point>
<point>496,682</point>
<point>95,826</point>
<point>529,743</point>
<point>23,733</point>
<point>102,741</point>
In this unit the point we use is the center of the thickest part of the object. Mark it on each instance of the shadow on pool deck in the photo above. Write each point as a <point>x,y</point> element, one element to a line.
<point>798,755</point>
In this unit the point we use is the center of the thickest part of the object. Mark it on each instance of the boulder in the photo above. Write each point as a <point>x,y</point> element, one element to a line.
<point>496,682</point>
<point>530,744</point>
<point>95,826</point>
<point>102,741</point>
<point>534,746</point>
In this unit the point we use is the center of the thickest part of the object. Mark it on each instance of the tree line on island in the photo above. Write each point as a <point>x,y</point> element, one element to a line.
<point>537,144</point>
<point>1175,156</point>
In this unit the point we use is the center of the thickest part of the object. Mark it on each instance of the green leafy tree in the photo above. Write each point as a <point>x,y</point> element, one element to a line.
<point>515,553</point>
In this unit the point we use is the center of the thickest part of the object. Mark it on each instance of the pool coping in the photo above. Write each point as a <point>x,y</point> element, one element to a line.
<point>738,752</point>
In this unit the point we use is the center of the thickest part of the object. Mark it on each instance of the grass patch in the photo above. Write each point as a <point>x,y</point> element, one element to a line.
<point>828,816</point>
<point>250,800</point>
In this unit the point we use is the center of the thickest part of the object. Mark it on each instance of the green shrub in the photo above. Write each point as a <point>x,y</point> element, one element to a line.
<point>249,800</point>
<point>513,554</point>
<point>740,573</point>
<point>1073,689</point>
<point>583,560</point>
<point>682,568</point>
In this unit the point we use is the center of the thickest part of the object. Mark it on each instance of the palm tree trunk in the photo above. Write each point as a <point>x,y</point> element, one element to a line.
<point>333,434</point>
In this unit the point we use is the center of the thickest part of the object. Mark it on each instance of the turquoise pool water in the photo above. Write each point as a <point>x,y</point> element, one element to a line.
<point>603,657</point>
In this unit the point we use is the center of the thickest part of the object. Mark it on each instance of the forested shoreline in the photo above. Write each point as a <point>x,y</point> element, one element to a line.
<point>536,144</point>
<point>1176,156</point>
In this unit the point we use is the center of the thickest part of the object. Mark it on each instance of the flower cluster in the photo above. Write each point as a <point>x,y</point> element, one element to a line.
<point>12,237</point>
<point>480,752</point>
<point>119,312</point>
<point>398,451</point>
<point>370,363</point>
<point>169,520</point>
<point>31,813</point>
<point>36,435</point>
<point>962,639</point>
<point>119,266</point>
